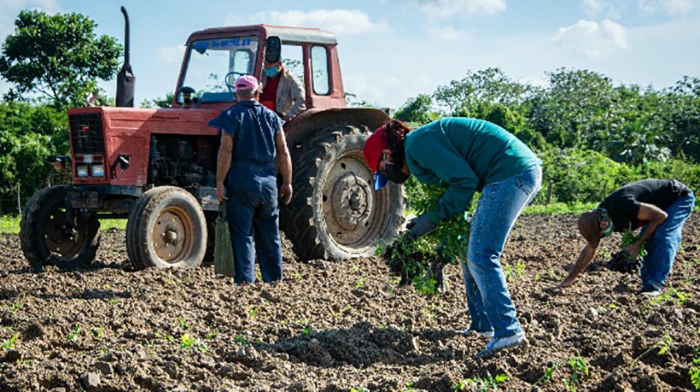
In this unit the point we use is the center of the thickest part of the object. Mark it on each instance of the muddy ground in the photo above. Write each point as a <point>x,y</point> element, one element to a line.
<point>341,326</point>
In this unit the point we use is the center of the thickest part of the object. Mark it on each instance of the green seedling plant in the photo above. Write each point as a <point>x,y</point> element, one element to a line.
<point>165,336</point>
<point>240,339</point>
<point>673,295</point>
<point>513,273</point>
<point>9,344</point>
<point>360,283</point>
<point>547,375</point>
<point>307,330</point>
<point>578,369</point>
<point>694,371</point>
<point>212,334</point>
<point>662,346</point>
<point>182,323</point>
<point>74,334</point>
<point>188,342</point>
<point>488,383</point>
<point>629,238</point>
<point>252,311</point>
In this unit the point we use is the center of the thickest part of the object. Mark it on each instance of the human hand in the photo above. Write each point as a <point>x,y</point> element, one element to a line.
<point>286,193</point>
<point>423,225</point>
<point>221,193</point>
<point>633,250</point>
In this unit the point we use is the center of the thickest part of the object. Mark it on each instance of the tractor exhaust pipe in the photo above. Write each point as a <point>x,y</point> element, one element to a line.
<point>125,78</point>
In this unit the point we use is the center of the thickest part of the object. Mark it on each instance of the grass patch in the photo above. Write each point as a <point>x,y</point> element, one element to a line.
<point>559,208</point>
<point>10,224</point>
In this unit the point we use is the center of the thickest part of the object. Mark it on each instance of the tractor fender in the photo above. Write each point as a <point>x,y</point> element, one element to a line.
<point>312,120</point>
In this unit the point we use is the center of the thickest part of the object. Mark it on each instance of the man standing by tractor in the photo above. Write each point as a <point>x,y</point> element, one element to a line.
<point>659,207</point>
<point>252,146</point>
<point>282,91</point>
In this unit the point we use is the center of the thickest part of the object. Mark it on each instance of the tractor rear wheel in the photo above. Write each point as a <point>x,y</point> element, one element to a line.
<point>47,236</point>
<point>335,213</point>
<point>166,228</point>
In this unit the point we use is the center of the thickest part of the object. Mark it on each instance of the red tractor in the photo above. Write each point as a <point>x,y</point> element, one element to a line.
<point>156,167</point>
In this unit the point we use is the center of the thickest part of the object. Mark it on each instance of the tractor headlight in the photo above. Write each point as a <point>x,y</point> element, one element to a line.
<point>81,170</point>
<point>98,171</point>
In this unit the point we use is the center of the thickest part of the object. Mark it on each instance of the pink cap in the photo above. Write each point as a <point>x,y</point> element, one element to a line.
<point>246,82</point>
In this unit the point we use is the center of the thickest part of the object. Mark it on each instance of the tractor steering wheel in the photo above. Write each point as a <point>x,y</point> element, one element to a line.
<point>230,79</point>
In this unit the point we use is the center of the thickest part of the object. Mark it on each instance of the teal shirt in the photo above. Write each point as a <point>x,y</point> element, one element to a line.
<point>466,154</point>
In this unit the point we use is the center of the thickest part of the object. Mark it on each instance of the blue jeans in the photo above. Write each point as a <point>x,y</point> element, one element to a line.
<point>253,219</point>
<point>663,245</point>
<point>488,299</point>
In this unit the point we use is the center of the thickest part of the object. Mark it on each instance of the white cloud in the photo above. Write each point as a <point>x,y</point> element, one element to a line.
<point>593,39</point>
<point>441,9</point>
<point>338,21</point>
<point>592,8</point>
<point>670,7</point>
<point>171,54</point>
<point>447,33</point>
<point>611,9</point>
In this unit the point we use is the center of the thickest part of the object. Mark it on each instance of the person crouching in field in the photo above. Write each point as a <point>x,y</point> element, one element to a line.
<point>469,155</point>
<point>659,207</point>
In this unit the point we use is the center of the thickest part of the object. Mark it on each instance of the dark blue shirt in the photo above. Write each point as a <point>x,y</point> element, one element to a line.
<point>253,128</point>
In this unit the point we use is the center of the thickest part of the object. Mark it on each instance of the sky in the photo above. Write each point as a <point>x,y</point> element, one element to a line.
<point>393,50</point>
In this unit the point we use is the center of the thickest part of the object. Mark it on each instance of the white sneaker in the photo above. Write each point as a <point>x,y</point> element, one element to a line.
<point>650,294</point>
<point>483,334</point>
<point>496,345</point>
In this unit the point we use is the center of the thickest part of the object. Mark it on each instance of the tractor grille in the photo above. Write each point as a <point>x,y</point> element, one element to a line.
<point>86,133</point>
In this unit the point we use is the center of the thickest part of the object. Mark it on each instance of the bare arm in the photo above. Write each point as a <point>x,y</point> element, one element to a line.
<point>654,216</point>
<point>284,162</point>
<point>223,163</point>
<point>584,259</point>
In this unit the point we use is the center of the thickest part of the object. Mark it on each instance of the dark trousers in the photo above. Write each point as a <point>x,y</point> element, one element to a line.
<point>253,218</point>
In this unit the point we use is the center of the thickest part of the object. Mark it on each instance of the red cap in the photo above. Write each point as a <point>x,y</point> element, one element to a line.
<point>374,146</point>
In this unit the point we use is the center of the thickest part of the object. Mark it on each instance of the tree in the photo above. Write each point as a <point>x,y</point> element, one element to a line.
<point>59,57</point>
<point>417,110</point>
<point>165,102</point>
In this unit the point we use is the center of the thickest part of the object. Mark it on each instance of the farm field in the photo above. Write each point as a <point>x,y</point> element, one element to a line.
<point>343,326</point>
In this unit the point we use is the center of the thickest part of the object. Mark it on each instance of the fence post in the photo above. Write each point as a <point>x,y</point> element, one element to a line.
<point>549,191</point>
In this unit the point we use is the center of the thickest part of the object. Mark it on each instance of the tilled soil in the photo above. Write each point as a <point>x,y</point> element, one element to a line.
<point>339,326</point>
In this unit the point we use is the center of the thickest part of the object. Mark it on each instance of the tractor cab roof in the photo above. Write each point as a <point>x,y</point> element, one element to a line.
<point>288,35</point>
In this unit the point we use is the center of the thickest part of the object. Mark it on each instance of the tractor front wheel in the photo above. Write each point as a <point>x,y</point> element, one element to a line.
<point>166,229</point>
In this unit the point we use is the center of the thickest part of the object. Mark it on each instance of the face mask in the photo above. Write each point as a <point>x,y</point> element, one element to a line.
<point>271,72</point>
<point>394,175</point>
<point>603,214</point>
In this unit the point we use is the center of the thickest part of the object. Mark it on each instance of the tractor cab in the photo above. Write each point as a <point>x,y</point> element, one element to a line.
<point>215,58</point>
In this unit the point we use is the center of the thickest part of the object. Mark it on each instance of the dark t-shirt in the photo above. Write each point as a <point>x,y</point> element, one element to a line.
<point>623,204</point>
<point>253,128</point>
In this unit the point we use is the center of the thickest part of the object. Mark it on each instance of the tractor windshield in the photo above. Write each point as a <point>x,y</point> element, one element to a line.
<point>215,64</point>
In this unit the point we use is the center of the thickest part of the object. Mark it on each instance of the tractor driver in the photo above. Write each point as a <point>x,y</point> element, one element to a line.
<point>282,91</point>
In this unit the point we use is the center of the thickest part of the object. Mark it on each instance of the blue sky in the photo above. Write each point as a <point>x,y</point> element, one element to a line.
<point>392,50</point>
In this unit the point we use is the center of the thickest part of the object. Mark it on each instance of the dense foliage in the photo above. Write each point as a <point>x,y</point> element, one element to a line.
<point>57,57</point>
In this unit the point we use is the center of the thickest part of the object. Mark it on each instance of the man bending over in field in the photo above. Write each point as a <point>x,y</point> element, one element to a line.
<point>659,207</point>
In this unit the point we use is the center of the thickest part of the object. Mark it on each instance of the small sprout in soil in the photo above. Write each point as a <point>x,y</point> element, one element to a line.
<point>673,295</point>
<point>662,345</point>
<point>383,325</point>
<point>189,342</point>
<point>578,369</point>
<point>98,332</point>
<point>9,344</point>
<point>512,273</point>
<point>696,261</point>
<point>613,306</point>
<point>480,384</point>
<point>360,389</point>
<point>171,281</point>
<point>15,307</point>
<point>182,323</point>
<point>165,336</point>
<point>410,386</point>
<point>355,267</point>
<point>360,282</point>
<point>547,375</point>
<point>113,302</point>
<point>694,371</point>
<point>106,286</point>
<point>307,330</point>
<point>297,276</point>
<point>212,334</point>
<point>74,334</point>
<point>252,311</point>
<point>240,339</point>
